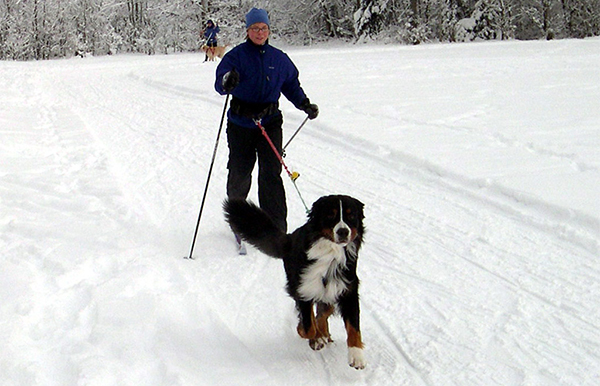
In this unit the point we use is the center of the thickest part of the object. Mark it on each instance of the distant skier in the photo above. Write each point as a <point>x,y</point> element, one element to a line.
<point>210,38</point>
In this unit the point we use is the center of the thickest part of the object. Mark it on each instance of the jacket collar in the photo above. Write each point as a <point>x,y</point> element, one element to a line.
<point>251,44</point>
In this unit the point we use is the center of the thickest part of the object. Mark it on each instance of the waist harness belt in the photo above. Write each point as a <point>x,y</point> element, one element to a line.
<point>253,110</point>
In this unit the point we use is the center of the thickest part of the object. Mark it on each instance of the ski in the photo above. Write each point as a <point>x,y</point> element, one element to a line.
<point>240,244</point>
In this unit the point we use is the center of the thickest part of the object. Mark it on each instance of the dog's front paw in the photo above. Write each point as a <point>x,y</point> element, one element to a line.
<point>319,343</point>
<point>356,358</point>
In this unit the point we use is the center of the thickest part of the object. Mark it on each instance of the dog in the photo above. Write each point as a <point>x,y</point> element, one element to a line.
<point>320,260</point>
<point>214,52</point>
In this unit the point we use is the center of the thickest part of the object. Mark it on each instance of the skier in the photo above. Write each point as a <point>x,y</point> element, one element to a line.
<point>210,36</point>
<point>256,74</point>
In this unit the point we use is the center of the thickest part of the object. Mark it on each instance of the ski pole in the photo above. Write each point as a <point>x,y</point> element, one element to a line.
<point>294,135</point>
<point>212,162</point>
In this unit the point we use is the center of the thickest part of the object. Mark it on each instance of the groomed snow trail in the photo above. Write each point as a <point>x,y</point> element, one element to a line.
<point>468,278</point>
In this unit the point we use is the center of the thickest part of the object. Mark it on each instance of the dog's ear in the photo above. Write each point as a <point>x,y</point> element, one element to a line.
<point>312,213</point>
<point>318,207</point>
<point>359,207</point>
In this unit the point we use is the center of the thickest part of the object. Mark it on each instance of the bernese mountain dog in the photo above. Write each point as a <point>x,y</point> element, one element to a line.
<point>320,260</point>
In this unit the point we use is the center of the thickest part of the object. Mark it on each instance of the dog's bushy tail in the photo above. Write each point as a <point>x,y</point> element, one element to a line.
<point>255,226</point>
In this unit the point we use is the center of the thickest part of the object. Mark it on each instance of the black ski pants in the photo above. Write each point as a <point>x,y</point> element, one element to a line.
<point>246,145</point>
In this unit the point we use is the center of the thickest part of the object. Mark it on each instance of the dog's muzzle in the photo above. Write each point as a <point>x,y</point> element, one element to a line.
<point>341,234</point>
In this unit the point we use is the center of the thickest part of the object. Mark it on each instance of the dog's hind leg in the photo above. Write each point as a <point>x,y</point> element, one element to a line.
<point>307,327</point>
<point>323,337</point>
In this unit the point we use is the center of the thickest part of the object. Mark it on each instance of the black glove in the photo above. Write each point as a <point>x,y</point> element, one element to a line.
<point>231,80</point>
<point>310,109</point>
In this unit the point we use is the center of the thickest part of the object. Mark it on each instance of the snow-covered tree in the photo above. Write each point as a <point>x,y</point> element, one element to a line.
<point>535,19</point>
<point>493,19</point>
<point>582,17</point>
<point>43,29</point>
<point>371,16</point>
<point>313,20</point>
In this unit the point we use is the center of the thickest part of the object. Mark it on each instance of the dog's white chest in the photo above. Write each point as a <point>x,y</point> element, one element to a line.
<point>322,281</point>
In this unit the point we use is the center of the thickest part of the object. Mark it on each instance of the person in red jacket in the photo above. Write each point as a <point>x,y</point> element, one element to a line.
<point>256,74</point>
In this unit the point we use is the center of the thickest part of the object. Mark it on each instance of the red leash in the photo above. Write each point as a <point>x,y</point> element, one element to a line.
<point>293,175</point>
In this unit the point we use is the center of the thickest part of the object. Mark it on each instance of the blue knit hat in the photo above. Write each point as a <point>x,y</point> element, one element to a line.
<point>257,15</point>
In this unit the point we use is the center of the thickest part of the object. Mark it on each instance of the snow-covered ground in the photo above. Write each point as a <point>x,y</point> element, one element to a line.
<point>479,165</point>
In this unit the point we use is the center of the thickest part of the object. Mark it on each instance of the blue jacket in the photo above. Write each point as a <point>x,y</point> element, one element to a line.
<point>265,73</point>
<point>210,34</point>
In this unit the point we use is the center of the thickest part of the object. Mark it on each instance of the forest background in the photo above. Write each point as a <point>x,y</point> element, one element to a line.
<point>45,29</point>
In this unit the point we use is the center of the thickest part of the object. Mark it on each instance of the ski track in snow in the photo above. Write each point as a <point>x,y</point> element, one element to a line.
<point>465,279</point>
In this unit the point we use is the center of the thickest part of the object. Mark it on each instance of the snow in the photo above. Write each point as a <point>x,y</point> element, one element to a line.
<point>478,165</point>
